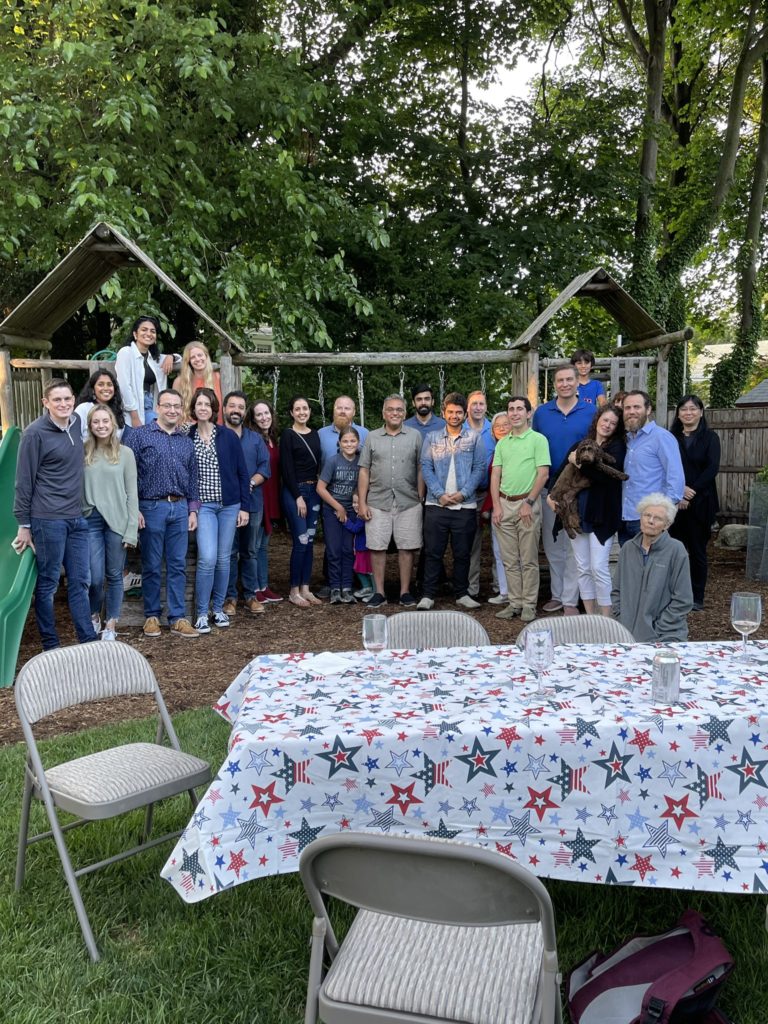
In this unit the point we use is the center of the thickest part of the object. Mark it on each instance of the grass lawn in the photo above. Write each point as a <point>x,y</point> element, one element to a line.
<point>242,955</point>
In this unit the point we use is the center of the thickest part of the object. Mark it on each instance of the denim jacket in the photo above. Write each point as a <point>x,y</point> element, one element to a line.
<point>471,463</point>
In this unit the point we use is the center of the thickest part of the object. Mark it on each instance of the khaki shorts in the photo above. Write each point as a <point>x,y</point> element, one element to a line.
<point>404,525</point>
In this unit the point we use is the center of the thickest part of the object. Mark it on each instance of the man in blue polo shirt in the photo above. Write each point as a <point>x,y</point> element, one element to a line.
<point>343,416</point>
<point>563,421</point>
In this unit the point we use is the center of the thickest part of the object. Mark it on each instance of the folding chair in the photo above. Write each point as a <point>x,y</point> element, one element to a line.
<point>580,629</point>
<point>435,629</point>
<point>444,932</point>
<point>108,782</point>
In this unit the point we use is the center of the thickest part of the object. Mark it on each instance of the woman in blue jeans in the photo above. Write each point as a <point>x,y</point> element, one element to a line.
<point>224,496</point>
<point>111,509</point>
<point>299,467</point>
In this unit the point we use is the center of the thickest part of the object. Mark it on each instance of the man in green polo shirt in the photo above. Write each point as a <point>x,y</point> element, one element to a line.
<point>520,470</point>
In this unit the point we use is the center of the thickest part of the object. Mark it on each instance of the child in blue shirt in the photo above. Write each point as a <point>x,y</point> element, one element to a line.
<point>590,391</point>
<point>336,486</point>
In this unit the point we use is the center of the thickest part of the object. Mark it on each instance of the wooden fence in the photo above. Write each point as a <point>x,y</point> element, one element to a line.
<point>744,440</point>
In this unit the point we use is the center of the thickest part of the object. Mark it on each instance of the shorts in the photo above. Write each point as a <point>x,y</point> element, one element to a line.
<point>404,525</point>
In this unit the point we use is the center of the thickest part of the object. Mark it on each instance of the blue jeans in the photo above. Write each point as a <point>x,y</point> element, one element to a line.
<point>62,542</point>
<point>339,547</point>
<point>165,534</point>
<point>245,544</point>
<point>262,560</point>
<point>216,524</point>
<point>302,533</point>
<point>107,559</point>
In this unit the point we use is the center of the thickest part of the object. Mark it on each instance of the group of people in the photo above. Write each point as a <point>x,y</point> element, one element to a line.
<point>138,462</point>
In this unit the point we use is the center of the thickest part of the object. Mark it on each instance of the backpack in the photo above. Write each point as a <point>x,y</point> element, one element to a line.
<point>674,978</point>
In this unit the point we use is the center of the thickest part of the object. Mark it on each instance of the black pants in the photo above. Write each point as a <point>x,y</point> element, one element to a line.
<point>694,534</point>
<point>440,526</point>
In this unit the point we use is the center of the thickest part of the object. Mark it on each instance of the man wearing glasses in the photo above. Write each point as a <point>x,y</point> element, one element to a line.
<point>168,504</point>
<point>48,509</point>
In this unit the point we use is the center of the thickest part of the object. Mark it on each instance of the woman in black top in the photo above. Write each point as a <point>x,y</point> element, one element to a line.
<point>599,512</point>
<point>700,452</point>
<point>300,460</point>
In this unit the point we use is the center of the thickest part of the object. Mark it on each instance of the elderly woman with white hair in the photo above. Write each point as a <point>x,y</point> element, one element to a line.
<point>652,593</point>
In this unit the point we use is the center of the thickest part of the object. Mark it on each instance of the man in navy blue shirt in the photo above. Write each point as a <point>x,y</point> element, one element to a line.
<point>168,502</point>
<point>424,419</point>
<point>563,421</point>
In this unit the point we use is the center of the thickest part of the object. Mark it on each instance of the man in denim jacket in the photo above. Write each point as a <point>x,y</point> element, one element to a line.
<point>454,465</point>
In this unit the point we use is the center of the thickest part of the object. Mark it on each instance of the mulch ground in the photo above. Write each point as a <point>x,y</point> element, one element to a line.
<point>194,673</point>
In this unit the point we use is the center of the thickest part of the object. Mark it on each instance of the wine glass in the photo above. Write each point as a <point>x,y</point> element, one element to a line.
<point>746,614</point>
<point>375,640</point>
<point>539,654</point>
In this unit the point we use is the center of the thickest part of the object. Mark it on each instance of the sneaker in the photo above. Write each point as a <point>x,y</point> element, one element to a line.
<point>254,605</point>
<point>347,597</point>
<point>376,601</point>
<point>528,614</point>
<point>425,604</point>
<point>152,626</point>
<point>335,596</point>
<point>96,623</point>
<point>508,613</point>
<point>131,581</point>
<point>230,607</point>
<point>183,628</point>
<point>698,606</point>
<point>220,619</point>
<point>467,602</point>
<point>202,625</point>
<point>363,594</point>
<point>269,596</point>
<point>109,634</point>
<point>499,599</point>
<point>552,606</point>
<point>324,593</point>
<point>407,600</point>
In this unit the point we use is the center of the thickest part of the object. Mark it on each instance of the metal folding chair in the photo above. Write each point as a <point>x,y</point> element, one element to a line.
<point>444,932</point>
<point>435,629</point>
<point>105,783</point>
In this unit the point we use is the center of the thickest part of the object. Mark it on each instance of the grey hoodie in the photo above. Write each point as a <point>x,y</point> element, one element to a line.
<point>49,471</point>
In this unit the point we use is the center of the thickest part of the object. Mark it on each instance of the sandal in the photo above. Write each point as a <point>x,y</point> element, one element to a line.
<point>298,600</point>
<point>311,599</point>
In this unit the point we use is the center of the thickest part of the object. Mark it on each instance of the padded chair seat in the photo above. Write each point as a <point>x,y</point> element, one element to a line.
<point>465,974</point>
<point>109,782</point>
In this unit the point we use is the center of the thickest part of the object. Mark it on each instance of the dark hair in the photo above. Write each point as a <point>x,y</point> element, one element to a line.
<point>250,421</point>
<point>643,394</point>
<point>583,353</point>
<point>57,382</point>
<point>168,391</point>
<point>618,397</point>
<point>677,426</point>
<point>153,349</point>
<point>519,398</point>
<point>620,432</point>
<point>236,394</point>
<point>455,398</point>
<point>210,394</point>
<point>293,400</point>
<point>116,401</point>
<point>349,430</point>
<point>419,389</point>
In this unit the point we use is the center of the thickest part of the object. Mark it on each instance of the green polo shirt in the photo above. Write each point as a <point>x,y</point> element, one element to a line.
<point>519,456</point>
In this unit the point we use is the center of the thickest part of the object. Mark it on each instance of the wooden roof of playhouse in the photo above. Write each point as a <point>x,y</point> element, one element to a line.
<point>78,277</point>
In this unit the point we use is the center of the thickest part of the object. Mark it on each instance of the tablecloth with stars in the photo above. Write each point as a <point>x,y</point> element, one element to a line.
<point>593,782</point>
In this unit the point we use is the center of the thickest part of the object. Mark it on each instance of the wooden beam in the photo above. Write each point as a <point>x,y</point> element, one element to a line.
<point>62,364</point>
<point>501,355</point>
<point>29,342</point>
<point>658,342</point>
<point>595,286</point>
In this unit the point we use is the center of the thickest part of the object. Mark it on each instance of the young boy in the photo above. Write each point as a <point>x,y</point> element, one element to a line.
<point>590,391</point>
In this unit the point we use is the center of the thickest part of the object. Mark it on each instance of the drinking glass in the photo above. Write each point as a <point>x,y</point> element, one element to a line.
<point>375,640</point>
<point>746,614</point>
<point>539,654</point>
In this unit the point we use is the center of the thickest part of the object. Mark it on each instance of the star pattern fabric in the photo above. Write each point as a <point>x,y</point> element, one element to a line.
<point>596,782</point>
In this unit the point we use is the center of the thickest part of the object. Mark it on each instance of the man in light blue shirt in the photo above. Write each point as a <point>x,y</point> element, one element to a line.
<point>477,407</point>
<point>424,420</point>
<point>343,416</point>
<point>653,462</point>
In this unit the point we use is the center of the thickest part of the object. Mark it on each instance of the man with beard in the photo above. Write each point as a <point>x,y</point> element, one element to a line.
<point>424,420</point>
<point>343,416</point>
<point>247,538</point>
<point>653,462</point>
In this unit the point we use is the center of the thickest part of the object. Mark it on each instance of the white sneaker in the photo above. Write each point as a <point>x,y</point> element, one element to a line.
<point>498,599</point>
<point>467,602</point>
<point>131,580</point>
<point>425,604</point>
<point>96,623</point>
<point>201,625</point>
<point>221,620</point>
<point>109,634</point>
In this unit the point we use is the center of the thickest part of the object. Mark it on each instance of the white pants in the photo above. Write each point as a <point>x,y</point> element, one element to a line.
<point>563,574</point>
<point>592,562</point>
<point>498,563</point>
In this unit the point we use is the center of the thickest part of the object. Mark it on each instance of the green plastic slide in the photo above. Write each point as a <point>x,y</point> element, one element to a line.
<point>17,574</point>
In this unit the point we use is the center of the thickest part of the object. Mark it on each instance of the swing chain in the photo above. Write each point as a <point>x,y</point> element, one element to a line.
<point>441,378</point>
<point>358,371</point>
<point>482,377</point>
<point>401,377</point>
<point>321,393</point>
<point>275,379</point>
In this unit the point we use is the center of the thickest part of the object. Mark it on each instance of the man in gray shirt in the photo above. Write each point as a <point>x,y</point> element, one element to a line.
<point>390,491</point>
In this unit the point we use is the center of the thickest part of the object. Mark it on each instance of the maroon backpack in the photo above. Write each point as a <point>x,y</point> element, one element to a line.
<point>674,978</point>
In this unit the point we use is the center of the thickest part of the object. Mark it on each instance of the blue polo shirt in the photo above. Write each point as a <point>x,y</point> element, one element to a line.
<point>562,430</point>
<point>435,423</point>
<point>329,440</point>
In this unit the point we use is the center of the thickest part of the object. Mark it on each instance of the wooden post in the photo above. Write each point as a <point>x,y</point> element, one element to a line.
<point>533,377</point>
<point>227,373</point>
<point>7,410</point>
<point>662,386</point>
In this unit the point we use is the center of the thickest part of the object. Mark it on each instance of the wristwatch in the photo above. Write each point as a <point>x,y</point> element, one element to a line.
<point>530,501</point>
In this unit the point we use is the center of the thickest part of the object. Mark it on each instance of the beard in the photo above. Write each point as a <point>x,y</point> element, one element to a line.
<point>234,419</point>
<point>423,410</point>
<point>341,421</point>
